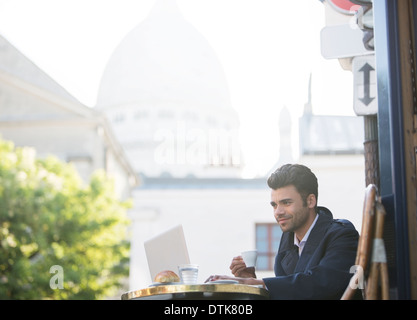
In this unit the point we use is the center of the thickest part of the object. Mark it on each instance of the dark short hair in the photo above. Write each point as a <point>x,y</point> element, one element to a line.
<point>298,175</point>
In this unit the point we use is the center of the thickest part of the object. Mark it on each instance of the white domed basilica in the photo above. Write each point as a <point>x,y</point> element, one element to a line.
<point>166,95</point>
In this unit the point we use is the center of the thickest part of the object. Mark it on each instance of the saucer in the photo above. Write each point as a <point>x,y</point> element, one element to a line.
<point>156,284</point>
<point>225,281</point>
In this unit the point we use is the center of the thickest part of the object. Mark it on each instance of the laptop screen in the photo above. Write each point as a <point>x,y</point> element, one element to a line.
<point>166,251</point>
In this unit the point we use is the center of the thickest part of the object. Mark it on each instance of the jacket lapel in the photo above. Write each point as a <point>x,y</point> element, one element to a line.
<point>290,260</point>
<point>289,254</point>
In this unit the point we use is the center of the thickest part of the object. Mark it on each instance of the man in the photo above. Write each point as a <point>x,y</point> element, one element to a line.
<point>316,251</point>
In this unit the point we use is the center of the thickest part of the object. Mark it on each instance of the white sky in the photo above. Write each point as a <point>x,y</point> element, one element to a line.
<point>268,48</point>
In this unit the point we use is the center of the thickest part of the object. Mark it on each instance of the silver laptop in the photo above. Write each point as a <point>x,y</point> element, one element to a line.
<point>166,251</point>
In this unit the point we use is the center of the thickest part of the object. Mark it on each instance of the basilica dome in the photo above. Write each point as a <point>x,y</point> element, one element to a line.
<point>166,95</point>
<point>164,58</point>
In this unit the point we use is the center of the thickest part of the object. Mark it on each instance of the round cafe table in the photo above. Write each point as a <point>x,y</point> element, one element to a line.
<point>204,291</point>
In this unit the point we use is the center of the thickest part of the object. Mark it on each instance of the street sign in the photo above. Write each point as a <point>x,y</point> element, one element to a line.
<point>341,41</point>
<point>343,37</point>
<point>344,6</point>
<point>364,85</point>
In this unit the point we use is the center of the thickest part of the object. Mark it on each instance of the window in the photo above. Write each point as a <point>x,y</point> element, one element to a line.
<point>166,114</point>
<point>141,114</point>
<point>118,117</point>
<point>268,237</point>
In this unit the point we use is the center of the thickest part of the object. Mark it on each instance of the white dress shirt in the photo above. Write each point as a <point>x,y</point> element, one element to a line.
<point>300,244</point>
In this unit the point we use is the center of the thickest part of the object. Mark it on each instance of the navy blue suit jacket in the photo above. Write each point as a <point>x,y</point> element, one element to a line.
<point>322,271</point>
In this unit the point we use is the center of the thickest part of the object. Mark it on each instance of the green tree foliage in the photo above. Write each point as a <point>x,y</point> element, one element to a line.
<point>49,219</point>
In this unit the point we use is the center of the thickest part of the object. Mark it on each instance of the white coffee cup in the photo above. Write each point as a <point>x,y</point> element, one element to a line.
<point>249,257</point>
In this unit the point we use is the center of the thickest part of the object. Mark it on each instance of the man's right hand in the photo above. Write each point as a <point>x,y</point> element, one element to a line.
<point>239,268</point>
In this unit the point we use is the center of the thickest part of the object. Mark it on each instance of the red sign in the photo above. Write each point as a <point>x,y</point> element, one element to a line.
<point>344,6</point>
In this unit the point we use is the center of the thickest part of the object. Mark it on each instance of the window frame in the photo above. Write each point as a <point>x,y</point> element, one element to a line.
<point>272,248</point>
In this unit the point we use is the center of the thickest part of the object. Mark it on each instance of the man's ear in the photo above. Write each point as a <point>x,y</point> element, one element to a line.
<point>311,200</point>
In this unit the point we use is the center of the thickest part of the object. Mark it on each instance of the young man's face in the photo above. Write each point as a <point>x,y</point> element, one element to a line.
<point>290,211</point>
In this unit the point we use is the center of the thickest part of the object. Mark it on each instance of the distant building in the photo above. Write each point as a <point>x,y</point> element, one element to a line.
<point>36,111</point>
<point>167,98</point>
